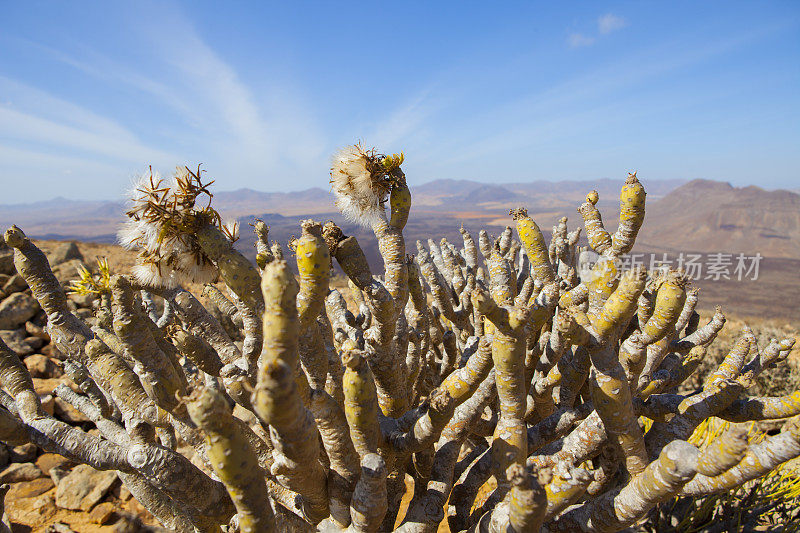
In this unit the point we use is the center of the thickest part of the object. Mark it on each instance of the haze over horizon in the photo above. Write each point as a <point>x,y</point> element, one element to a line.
<point>262,95</point>
<point>666,185</point>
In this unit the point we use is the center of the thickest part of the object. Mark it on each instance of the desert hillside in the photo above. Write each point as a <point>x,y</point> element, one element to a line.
<point>701,217</point>
<point>97,221</point>
<point>710,216</point>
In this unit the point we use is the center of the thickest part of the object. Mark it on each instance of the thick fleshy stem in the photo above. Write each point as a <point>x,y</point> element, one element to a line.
<point>67,331</point>
<point>379,337</point>
<point>342,455</point>
<point>251,328</point>
<point>263,252</point>
<point>508,353</point>
<point>198,351</point>
<point>197,321</point>
<point>440,290</point>
<point>616,509</point>
<point>611,392</point>
<point>426,509</point>
<point>748,409</point>
<point>470,250</point>
<point>80,376</point>
<point>121,383</point>
<point>235,269</point>
<point>277,400</point>
<point>759,459</point>
<point>313,263</point>
<point>361,404</point>
<point>723,453</point>
<point>428,427</point>
<point>233,461</point>
<point>533,240</point>
<point>16,379</point>
<point>222,302</point>
<point>156,371</point>
<point>391,243</point>
<point>566,487</point>
<point>527,501</point>
<point>702,336</point>
<point>631,216</point>
<point>599,238</point>
<point>369,503</point>
<point>690,413</point>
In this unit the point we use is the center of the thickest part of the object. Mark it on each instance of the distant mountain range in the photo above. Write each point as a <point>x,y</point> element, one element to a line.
<point>700,216</point>
<point>711,216</point>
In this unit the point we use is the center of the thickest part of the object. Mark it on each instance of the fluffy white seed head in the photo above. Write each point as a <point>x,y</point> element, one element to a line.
<point>167,257</point>
<point>360,191</point>
<point>155,275</point>
<point>193,268</point>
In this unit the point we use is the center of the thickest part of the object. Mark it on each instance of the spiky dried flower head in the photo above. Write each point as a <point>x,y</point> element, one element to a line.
<point>89,282</point>
<point>361,180</point>
<point>518,213</point>
<point>163,219</point>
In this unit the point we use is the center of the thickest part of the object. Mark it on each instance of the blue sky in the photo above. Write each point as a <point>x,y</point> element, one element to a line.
<point>263,93</point>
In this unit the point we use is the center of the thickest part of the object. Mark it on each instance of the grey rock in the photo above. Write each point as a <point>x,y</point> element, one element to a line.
<point>15,339</point>
<point>15,283</point>
<point>17,309</point>
<point>17,472</point>
<point>67,271</point>
<point>34,342</point>
<point>83,488</point>
<point>84,313</point>
<point>58,473</point>
<point>41,366</point>
<point>48,461</point>
<point>82,300</point>
<point>24,453</point>
<point>50,350</point>
<point>35,330</point>
<point>7,263</point>
<point>65,252</point>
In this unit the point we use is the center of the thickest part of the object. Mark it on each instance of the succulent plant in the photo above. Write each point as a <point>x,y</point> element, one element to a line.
<point>456,365</point>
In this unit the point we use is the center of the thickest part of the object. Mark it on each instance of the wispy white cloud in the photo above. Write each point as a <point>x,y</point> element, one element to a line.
<point>25,98</point>
<point>44,139</point>
<point>266,133</point>
<point>405,122</point>
<point>606,24</point>
<point>257,137</point>
<point>62,125</point>
<point>577,40</point>
<point>609,23</point>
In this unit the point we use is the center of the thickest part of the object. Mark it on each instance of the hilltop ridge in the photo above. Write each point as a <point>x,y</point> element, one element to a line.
<point>700,215</point>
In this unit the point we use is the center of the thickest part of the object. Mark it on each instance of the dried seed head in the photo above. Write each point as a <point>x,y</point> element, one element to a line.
<point>163,219</point>
<point>361,182</point>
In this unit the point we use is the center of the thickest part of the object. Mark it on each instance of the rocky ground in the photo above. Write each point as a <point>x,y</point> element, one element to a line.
<point>45,491</point>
